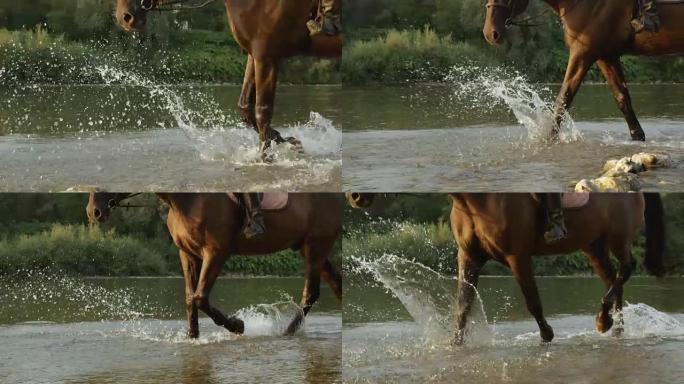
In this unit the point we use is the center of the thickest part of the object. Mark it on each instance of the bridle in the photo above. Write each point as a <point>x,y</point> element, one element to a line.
<point>509,5</point>
<point>115,202</point>
<point>172,5</point>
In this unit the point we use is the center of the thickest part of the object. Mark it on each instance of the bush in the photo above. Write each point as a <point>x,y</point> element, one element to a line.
<point>409,55</point>
<point>81,250</point>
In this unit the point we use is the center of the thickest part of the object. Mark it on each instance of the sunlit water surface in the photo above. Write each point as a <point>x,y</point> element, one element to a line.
<point>398,327</point>
<point>133,134</point>
<point>61,329</point>
<point>487,133</point>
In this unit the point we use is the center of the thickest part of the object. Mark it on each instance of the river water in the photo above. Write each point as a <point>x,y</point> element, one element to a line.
<point>398,328</point>
<point>63,329</point>
<point>133,134</point>
<point>487,135</point>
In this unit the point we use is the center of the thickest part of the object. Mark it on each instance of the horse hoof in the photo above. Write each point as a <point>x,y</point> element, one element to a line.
<point>294,325</point>
<point>603,321</point>
<point>618,331</point>
<point>267,157</point>
<point>235,325</point>
<point>546,333</point>
<point>638,136</point>
<point>193,333</point>
<point>296,144</point>
<point>459,339</point>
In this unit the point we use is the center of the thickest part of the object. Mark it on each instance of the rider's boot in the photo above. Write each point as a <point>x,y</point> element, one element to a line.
<point>254,220</point>
<point>647,18</point>
<point>555,229</point>
<point>328,22</point>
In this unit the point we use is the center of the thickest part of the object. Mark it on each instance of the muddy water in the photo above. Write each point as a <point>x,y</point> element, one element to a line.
<point>398,327</point>
<point>485,136</point>
<point>57,329</point>
<point>137,135</point>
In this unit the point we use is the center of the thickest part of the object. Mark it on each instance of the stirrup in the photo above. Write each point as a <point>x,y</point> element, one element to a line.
<point>254,227</point>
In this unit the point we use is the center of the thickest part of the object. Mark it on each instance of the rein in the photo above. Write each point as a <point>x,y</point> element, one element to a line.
<point>116,202</point>
<point>172,5</point>
<point>526,22</point>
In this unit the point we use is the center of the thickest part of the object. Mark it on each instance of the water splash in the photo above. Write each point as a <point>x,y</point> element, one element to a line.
<point>643,321</point>
<point>428,296</point>
<point>485,88</point>
<point>260,320</point>
<point>32,294</point>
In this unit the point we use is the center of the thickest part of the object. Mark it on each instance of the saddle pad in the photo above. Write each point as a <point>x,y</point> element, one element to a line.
<point>270,201</point>
<point>574,200</point>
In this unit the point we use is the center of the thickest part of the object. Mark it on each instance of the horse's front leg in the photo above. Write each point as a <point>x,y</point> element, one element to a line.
<point>627,266</point>
<point>578,65</point>
<point>266,76</point>
<point>469,267</point>
<point>521,266</point>
<point>190,268</point>
<point>599,258</point>
<point>247,101</point>
<point>615,77</point>
<point>212,264</point>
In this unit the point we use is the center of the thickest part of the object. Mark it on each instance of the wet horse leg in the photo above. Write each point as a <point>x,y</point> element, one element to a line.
<point>627,265</point>
<point>266,76</point>
<point>599,258</point>
<point>247,101</point>
<point>190,268</point>
<point>333,278</point>
<point>469,266</point>
<point>211,268</point>
<point>614,75</point>
<point>578,65</point>
<point>315,252</point>
<point>521,266</point>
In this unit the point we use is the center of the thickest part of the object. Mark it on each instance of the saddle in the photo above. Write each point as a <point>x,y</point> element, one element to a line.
<point>574,200</point>
<point>270,201</point>
<point>570,200</point>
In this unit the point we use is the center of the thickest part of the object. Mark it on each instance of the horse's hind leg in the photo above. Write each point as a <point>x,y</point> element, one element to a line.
<point>599,258</point>
<point>333,278</point>
<point>578,65</point>
<point>190,268</point>
<point>315,252</point>
<point>469,267</point>
<point>247,101</point>
<point>521,266</point>
<point>614,75</point>
<point>627,265</point>
<point>211,268</point>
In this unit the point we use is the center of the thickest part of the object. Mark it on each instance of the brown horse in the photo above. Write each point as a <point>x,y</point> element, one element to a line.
<point>598,31</point>
<point>269,31</point>
<point>207,229</point>
<point>508,228</point>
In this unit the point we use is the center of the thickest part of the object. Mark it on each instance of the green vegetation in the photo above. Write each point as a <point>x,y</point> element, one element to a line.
<point>392,41</point>
<point>49,231</point>
<point>417,228</point>
<point>62,41</point>
<point>398,36</point>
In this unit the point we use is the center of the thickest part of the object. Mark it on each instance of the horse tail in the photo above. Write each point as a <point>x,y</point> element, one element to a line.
<point>655,234</point>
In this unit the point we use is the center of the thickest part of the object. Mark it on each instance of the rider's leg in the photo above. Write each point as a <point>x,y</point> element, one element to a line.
<point>555,229</point>
<point>330,24</point>
<point>647,17</point>
<point>254,225</point>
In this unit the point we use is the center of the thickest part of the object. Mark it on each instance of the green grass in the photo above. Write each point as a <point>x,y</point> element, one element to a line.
<point>82,250</point>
